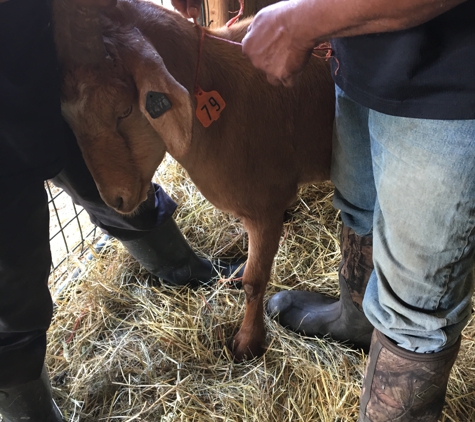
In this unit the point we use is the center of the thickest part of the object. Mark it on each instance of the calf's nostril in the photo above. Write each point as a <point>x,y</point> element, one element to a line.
<point>119,203</point>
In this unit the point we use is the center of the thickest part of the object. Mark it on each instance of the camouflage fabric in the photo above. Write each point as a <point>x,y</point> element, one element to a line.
<point>404,386</point>
<point>356,264</point>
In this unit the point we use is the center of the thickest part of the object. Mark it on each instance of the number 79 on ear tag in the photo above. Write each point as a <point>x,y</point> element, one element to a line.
<point>209,106</point>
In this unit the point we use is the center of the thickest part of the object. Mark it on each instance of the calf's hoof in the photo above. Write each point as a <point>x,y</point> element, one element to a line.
<point>245,347</point>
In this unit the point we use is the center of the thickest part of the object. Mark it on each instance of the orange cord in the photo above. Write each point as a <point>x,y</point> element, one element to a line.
<point>239,14</point>
<point>75,327</point>
<point>326,46</point>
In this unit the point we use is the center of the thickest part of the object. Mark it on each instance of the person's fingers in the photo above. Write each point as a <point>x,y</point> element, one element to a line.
<point>188,8</point>
<point>193,8</point>
<point>180,5</point>
<point>288,82</point>
<point>273,80</point>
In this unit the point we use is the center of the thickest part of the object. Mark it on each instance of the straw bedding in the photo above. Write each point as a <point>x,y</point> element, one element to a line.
<point>124,348</point>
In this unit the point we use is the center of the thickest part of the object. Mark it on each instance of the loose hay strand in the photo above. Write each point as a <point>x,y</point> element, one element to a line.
<point>122,348</point>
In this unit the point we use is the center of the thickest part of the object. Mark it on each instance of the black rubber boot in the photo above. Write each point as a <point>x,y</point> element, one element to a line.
<point>314,314</point>
<point>30,402</point>
<point>165,253</point>
<point>404,386</point>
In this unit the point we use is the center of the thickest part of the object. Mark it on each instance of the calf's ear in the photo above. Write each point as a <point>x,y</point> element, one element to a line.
<point>164,102</point>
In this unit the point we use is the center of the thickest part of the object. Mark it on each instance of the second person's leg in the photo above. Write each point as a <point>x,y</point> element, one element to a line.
<point>311,313</point>
<point>419,296</point>
<point>150,235</point>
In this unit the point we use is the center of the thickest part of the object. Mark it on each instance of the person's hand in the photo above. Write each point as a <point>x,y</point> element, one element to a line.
<point>188,8</point>
<point>276,44</point>
<point>96,3</point>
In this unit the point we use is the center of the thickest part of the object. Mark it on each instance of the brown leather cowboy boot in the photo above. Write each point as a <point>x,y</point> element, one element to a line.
<point>312,313</point>
<point>404,386</point>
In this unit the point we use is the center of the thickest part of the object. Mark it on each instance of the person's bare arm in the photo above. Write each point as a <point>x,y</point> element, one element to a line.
<point>343,18</point>
<point>283,35</point>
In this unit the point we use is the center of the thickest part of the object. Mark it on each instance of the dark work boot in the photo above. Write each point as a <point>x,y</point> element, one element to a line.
<point>30,402</point>
<point>404,386</point>
<point>314,314</point>
<point>165,253</point>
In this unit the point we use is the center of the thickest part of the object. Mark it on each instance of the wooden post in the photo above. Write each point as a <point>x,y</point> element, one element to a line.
<point>218,13</point>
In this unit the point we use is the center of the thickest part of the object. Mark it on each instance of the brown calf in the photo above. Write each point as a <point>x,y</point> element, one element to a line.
<point>124,67</point>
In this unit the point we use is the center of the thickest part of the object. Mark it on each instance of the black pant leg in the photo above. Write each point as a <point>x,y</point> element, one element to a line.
<point>25,260</point>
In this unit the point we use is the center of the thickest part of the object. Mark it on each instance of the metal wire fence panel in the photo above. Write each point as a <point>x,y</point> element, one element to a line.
<point>71,231</point>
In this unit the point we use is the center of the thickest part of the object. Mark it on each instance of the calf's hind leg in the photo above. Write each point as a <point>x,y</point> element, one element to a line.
<point>264,238</point>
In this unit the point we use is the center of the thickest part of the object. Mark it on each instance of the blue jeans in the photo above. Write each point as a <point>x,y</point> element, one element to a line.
<point>411,183</point>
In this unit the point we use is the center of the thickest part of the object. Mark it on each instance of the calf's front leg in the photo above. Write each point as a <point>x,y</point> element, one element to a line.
<point>264,238</point>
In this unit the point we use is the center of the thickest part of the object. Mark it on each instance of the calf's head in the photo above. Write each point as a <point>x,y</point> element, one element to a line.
<point>126,110</point>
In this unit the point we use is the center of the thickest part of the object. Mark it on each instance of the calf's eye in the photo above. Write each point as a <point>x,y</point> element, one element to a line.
<point>126,113</point>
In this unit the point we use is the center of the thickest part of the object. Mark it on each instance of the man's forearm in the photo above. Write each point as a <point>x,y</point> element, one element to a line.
<point>283,35</point>
<point>324,19</point>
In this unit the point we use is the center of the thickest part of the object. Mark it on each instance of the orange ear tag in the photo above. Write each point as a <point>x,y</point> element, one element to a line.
<point>209,106</point>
